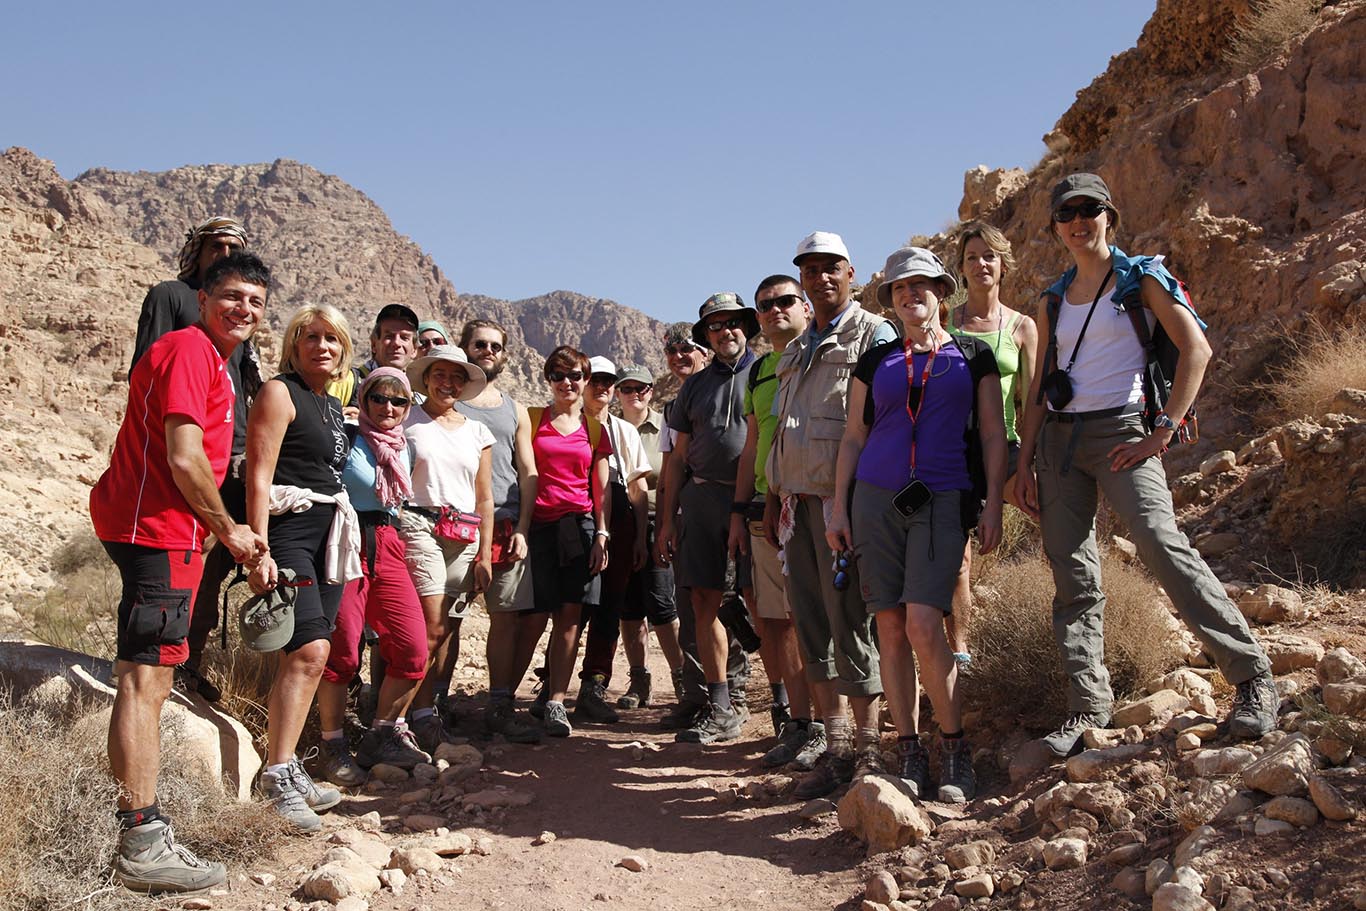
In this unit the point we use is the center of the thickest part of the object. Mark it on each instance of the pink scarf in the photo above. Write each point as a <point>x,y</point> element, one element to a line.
<point>392,483</point>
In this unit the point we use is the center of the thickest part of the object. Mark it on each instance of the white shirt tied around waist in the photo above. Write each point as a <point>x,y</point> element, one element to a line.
<point>342,555</point>
<point>1109,368</point>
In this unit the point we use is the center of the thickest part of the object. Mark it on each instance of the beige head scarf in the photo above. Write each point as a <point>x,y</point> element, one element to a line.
<point>194,242</point>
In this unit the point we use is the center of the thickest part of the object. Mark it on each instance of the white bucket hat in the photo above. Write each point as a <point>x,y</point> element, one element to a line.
<point>417,369</point>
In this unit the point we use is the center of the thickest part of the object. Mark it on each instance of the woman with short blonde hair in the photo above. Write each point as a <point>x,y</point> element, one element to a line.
<point>300,321</point>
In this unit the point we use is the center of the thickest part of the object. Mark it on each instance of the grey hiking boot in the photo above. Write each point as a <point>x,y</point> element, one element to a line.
<point>1066,740</point>
<point>592,702</point>
<point>336,765</point>
<point>740,702</point>
<point>683,716</point>
<point>869,761</point>
<point>957,781</point>
<point>557,720</point>
<point>1254,707</point>
<point>637,695</point>
<point>501,718</point>
<point>392,745</point>
<point>149,860</point>
<point>913,766</point>
<point>834,767</point>
<point>287,796</point>
<point>791,739</point>
<point>815,746</point>
<point>713,726</point>
<point>318,799</point>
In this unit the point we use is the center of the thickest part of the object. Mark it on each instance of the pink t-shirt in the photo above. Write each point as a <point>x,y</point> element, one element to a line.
<point>562,464</point>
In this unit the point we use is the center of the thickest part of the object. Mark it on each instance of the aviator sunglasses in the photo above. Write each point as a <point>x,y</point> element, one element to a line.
<point>1089,209</point>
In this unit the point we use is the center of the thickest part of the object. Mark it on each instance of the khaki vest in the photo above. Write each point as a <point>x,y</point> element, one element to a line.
<point>813,405</point>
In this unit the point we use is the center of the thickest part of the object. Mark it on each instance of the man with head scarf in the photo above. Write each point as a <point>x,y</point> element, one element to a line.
<point>173,305</point>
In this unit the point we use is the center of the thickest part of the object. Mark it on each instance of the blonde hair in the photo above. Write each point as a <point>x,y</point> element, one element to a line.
<point>992,237</point>
<point>295,330</point>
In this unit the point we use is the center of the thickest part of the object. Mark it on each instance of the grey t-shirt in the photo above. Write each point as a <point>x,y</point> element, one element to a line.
<point>710,409</point>
<point>501,420</point>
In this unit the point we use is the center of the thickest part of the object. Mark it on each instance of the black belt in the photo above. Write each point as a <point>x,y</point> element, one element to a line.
<point>1077,419</point>
<point>371,517</point>
<point>433,514</point>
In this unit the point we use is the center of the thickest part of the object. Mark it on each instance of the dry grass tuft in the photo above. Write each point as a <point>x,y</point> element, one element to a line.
<point>1015,671</point>
<point>1267,28</point>
<point>1323,364</point>
<point>56,791</point>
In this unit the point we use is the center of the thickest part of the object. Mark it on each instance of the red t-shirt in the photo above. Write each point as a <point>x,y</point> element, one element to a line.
<point>136,500</point>
<point>562,466</point>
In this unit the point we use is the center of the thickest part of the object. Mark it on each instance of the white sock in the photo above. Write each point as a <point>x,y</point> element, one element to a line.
<point>277,768</point>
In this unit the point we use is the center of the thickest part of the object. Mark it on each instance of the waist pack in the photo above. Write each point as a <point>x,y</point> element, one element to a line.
<point>457,525</point>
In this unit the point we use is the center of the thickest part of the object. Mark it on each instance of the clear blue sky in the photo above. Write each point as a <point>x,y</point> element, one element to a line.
<point>650,153</point>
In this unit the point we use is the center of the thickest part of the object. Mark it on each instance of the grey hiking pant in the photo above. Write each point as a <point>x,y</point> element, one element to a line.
<point>834,629</point>
<point>1140,497</point>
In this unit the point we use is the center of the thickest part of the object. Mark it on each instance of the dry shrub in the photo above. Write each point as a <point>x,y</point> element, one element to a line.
<point>1322,364</point>
<point>56,791</point>
<point>1015,672</point>
<point>1267,28</point>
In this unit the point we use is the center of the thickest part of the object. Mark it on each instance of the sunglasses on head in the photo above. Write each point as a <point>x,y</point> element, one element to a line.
<point>734,322</point>
<point>482,344</point>
<point>1089,209</point>
<point>379,398</point>
<point>635,389</point>
<point>785,301</point>
<point>559,376</point>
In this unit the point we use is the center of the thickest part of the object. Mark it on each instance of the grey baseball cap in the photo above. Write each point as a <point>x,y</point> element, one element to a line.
<point>1080,184</point>
<point>908,262</point>
<point>635,373</point>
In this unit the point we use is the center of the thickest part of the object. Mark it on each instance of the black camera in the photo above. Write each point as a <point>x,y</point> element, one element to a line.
<point>1057,386</point>
<point>911,498</point>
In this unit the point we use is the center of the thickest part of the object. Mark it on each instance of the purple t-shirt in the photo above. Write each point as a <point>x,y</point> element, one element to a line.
<point>941,447</point>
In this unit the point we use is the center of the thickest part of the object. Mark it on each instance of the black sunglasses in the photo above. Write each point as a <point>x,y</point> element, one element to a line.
<point>1089,209</point>
<point>377,398</point>
<point>558,376</point>
<point>637,389</point>
<point>787,300</point>
<point>481,344</point>
<point>681,348</point>
<point>843,562</point>
<point>734,322</point>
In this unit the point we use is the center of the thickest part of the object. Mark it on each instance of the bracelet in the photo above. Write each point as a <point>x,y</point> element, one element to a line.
<point>739,509</point>
<point>603,533</point>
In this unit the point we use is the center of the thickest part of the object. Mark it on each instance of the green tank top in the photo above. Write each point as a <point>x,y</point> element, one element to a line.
<point>1007,353</point>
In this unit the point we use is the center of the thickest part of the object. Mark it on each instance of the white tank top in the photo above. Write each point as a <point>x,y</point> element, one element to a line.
<point>1109,368</point>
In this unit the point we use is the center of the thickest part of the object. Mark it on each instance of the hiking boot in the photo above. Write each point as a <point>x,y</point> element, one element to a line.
<point>676,677</point>
<point>189,680</point>
<point>149,860</point>
<point>429,733</point>
<point>1254,707</point>
<point>814,749</point>
<point>832,769</point>
<point>537,708</point>
<point>557,720</point>
<point>869,761</point>
<point>637,695</point>
<point>740,702</point>
<point>791,739</point>
<point>913,766</point>
<point>336,765</point>
<point>1066,740</point>
<point>287,796</point>
<point>592,702</point>
<point>392,745</point>
<point>501,718</point>
<point>957,781</point>
<point>780,715</point>
<point>318,799</point>
<point>715,725</point>
<point>683,716</point>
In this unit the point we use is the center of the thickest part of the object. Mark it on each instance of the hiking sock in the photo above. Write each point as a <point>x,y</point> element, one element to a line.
<point>381,723</point>
<point>333,735</point>
<point>779,693</point>
<point>719,694</point>
<point>867,736</point>
<point>637,671</point>
<point>499,692</point>
<point>277,768</point>
<point>907,739</point>
<point>130,818</point>
<point>957,735</point>
<point>837,732</point>
<point>419,714</point>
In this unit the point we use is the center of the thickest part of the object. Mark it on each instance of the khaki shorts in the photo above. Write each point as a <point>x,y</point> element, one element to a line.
<point>438,566</point>
<point>769,584</point>
<point>511,590</point>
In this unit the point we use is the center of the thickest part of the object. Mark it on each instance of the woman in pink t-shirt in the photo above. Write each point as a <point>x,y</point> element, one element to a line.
<point>568,540</point>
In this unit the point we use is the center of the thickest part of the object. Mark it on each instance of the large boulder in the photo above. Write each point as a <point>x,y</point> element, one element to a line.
<point>70,683</point>
<point>880,810</point>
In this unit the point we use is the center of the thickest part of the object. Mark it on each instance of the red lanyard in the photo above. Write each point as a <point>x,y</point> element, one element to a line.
<point>924,386</point>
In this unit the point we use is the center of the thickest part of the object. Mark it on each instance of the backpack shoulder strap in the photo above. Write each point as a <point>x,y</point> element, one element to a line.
<point>534,413</point>
<point>594,432</point>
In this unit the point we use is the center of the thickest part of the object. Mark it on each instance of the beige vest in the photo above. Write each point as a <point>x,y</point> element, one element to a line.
<point>813,405</point>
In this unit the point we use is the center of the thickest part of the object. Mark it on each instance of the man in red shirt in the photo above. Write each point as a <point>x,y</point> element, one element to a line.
<point>152,510</point>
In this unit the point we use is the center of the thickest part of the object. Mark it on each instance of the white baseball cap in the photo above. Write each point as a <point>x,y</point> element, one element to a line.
<point>821,242</point>
<point>599,365</point>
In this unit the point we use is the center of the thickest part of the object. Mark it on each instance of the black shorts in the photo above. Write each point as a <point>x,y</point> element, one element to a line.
<point>298,540</point>
<point>558,552</point>
<point>651,592</point>
<point>154,611</point>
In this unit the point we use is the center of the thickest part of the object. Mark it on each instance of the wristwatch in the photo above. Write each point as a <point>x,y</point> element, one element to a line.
<point>1163,421</point>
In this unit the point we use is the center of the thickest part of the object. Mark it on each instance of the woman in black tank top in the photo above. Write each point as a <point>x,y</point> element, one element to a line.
<point>295,438</point>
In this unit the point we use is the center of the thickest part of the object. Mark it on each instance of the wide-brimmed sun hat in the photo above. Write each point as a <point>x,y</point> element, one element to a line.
<point>719,304</point>
<point>910,262</point>
<point>473,385</point>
